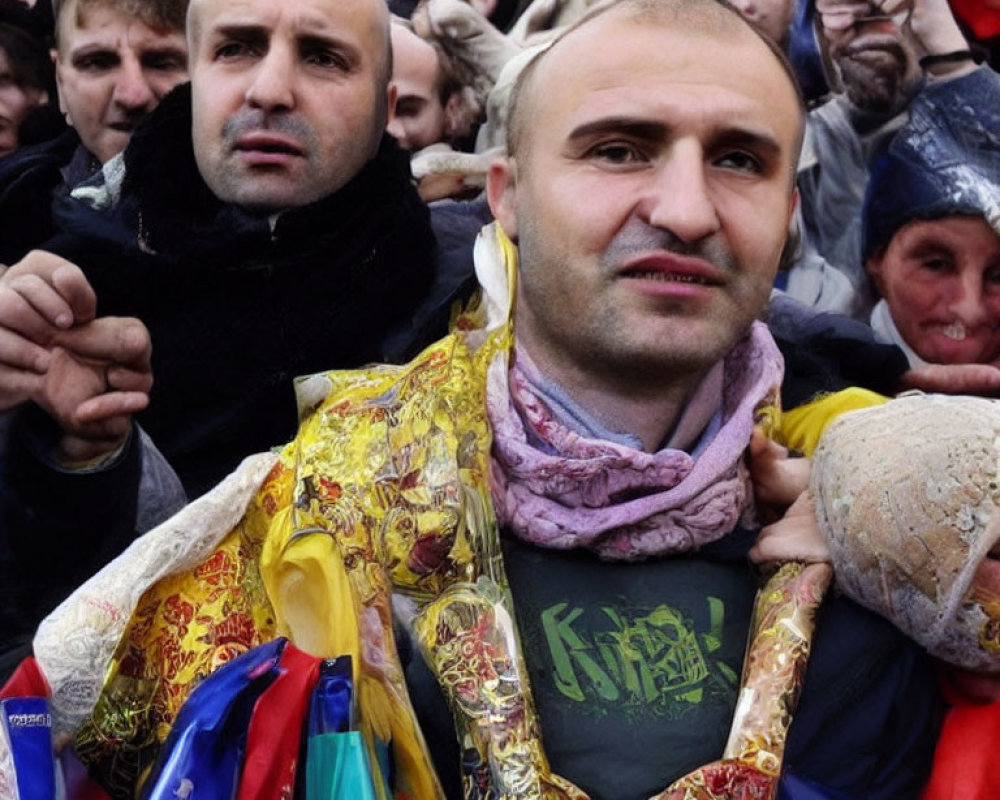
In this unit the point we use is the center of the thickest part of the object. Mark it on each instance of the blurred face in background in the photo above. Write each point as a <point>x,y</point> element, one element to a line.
<point>112,70</point>
<point>874,61</point>
<point>419,118</point>
<point>16,100</point>
<point>941,280</point>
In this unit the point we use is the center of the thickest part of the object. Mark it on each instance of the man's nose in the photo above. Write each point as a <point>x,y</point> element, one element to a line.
<point>132,89</point>
<point>968,303</point>
<point>272,87</point>
<point>678,197</point>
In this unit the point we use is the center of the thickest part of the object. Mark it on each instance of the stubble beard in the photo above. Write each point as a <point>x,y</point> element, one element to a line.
<point>628,359</point>
<point>233,184</point>
<point>878,88</point>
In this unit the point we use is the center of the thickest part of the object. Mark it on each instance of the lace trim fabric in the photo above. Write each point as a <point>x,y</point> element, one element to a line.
<point>74,644</point>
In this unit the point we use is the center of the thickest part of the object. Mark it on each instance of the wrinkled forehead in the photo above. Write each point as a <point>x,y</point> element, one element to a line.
<point>74,15</point>
<point>366,20</point>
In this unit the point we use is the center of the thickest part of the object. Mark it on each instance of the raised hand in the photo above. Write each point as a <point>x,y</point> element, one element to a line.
<point>935,30</point>
<point>99,375</point>
<point>89,374</point>
<point>40,297</point>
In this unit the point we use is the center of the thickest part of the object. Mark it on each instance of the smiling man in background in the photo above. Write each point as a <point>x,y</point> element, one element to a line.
<point>22,82</point>
<point>431,105</point>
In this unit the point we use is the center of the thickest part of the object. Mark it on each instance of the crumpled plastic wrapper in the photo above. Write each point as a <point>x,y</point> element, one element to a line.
<point>906,497</point>
<point>774,671</point>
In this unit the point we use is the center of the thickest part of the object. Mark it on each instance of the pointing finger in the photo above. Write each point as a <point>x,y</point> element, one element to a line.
<point>106,407</point>
<point>117,340</point>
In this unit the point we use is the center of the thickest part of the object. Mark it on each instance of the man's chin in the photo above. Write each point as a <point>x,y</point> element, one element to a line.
<point>268,194</point>
<point>938,352</point>
<point>876,87</point>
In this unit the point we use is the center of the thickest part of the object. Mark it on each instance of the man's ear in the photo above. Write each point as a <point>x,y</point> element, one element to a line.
<point>460,113</point>
<point>54,55</point>
<point>390,96</point>
<point>793,203</point>
<point>501,194</point>
<point>874,266</point>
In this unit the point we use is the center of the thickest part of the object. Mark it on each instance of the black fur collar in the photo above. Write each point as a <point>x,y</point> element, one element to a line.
<point>177,214</point>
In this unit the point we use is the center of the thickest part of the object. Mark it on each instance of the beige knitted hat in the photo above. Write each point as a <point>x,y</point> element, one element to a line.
<point>907,496</point>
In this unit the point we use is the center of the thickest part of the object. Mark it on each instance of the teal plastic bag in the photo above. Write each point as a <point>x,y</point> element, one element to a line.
<point>337,763</point>
<point>337,768</point>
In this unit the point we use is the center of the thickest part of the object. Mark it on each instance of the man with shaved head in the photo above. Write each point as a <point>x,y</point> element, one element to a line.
<point>260,226</point>
<point>431,105</point>
<point>544,518</point>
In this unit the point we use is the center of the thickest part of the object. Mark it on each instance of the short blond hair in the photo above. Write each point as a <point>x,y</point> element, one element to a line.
<point>161,15</point>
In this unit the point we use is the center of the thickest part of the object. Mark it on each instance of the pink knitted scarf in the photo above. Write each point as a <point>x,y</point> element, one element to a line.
<point>623,503</point>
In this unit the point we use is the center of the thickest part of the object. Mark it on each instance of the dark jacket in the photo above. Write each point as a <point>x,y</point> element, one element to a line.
<point>30,179</point>
<point>235,309</point>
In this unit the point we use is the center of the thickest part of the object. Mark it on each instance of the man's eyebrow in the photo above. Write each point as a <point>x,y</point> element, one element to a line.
<point>165,48</point>
<point>320,40</point>
<point>238,30</point>
<point>743,137</point>
<point>313,42</point>
<point>929,246</point>
<point>90,48</point>
<point>626,126</point>
<point>654,130</point>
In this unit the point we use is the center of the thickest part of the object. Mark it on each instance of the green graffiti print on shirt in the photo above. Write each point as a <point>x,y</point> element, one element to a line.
<point>651,657</point>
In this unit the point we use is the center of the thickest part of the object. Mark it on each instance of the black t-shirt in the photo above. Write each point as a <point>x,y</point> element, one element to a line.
<point>634,666</point>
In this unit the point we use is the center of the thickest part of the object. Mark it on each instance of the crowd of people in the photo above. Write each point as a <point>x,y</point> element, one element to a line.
<point>395,395</point>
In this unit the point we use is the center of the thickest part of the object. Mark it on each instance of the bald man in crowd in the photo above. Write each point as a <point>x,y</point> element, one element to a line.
<point>431,103</point>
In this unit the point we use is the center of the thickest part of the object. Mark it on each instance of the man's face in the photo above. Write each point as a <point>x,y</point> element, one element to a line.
<point>650,197</point>
<point>15,103</point>
<point>941,280</point>
<point>289,98</point>
<point>112,70</point>
<point>876,63</point>
<point>419,118</point>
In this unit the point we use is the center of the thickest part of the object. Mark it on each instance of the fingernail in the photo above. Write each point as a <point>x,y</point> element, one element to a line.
<point>64,320</point>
